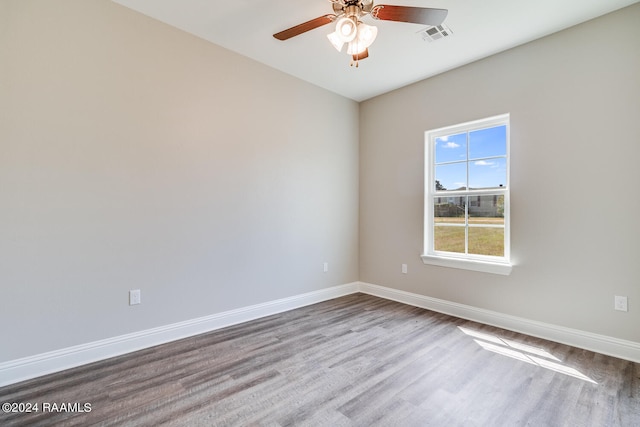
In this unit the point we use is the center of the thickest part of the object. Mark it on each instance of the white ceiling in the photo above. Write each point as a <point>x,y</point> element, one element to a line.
<point>398,57</point>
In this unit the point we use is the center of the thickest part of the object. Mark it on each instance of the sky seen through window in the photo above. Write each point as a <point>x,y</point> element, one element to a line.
<point>475,159</point>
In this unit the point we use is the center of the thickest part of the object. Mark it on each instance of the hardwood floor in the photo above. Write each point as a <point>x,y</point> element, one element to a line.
<point>352,361</point>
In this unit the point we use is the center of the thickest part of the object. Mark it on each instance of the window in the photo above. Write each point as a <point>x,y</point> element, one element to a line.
<point>467,196</point>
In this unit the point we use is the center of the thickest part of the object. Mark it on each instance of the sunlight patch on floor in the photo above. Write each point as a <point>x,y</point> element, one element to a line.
<point>525,353</point>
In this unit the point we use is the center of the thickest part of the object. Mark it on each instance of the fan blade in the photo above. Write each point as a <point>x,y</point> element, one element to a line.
<point>416,15</point>
<point>304,27</point>
<point>360,56</point>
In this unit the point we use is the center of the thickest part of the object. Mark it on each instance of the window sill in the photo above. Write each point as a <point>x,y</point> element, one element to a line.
<point>467,264</point>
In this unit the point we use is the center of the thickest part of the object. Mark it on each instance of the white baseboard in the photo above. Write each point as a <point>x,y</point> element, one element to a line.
<point>26,368</point>
<point>623,349</point>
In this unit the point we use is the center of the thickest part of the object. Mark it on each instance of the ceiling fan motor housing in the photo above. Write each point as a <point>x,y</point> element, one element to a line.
<point>355,8</point>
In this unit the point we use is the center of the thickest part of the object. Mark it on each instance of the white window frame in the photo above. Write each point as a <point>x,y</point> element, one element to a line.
<point>483,263</point>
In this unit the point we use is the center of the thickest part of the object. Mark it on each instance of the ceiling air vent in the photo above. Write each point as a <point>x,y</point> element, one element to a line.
<point>438,32</point>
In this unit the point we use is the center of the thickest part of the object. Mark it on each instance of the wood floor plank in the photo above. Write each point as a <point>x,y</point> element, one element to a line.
<point>352,361</point>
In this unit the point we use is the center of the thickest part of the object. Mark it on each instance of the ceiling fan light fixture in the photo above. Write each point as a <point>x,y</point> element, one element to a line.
<point>346,29</point>
<point>366,34</point>
<point>356,47</point>
<point>335,40</point>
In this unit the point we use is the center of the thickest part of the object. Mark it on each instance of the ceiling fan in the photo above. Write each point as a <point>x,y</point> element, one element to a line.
<point>358,36</point>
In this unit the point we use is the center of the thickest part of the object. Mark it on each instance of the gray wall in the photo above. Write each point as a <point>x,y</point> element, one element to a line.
<point>133,155</point>
<point>574,99</point>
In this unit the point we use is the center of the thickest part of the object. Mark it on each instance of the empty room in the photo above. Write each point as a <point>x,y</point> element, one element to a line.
<point>319,213</point>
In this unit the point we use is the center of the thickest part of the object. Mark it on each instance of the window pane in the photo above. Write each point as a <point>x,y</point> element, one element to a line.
<point>448,238</point>
<point>452,176</point>
<point>449,210</point>
<point>451,148</point>
<point>488,142</point>
<point>486,240</point>
<point>488,173</point>
<point>487,209</point>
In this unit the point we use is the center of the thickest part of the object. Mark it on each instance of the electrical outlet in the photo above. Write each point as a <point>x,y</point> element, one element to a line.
<point>134,296</point>
<point>404,268</point>
<point>325,267</point>
<point>620,303</point>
